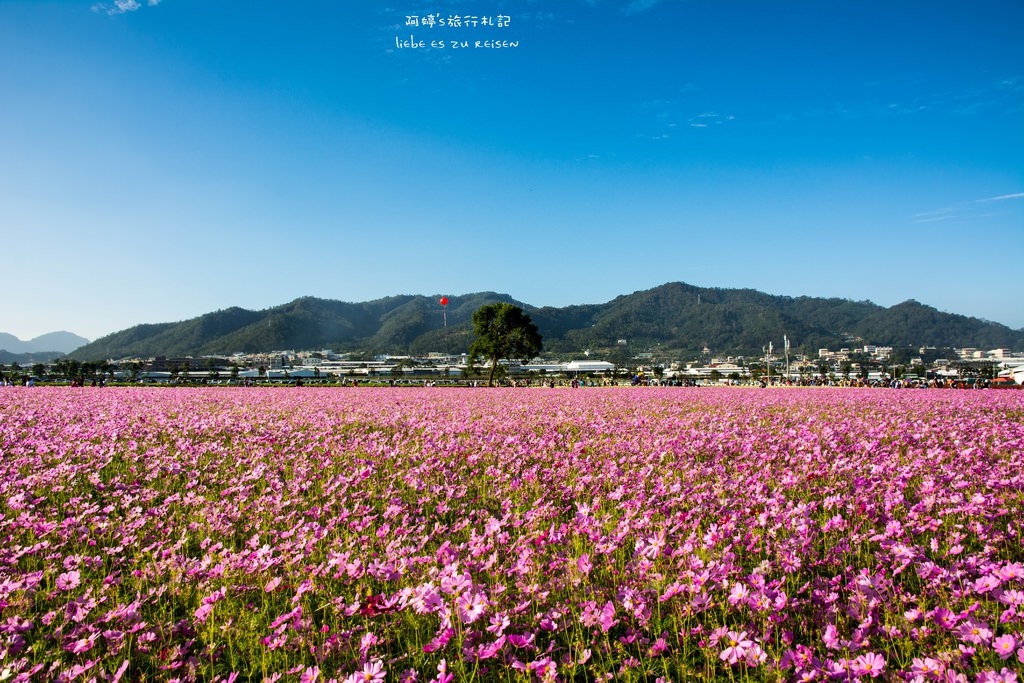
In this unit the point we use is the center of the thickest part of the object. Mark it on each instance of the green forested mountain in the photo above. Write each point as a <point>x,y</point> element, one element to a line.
<point>674,317</point>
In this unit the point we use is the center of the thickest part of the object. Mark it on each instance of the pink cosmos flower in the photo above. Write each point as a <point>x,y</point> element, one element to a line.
<point>442,673</point>
<point>304,587</point>
<point>470,607</point>
<point>755,655</point>
<point>801,657</point>
<point>68,580</point>
<point>1003,645</point>
<point>82,644</point>
<point>272,584</point>
<point>831,637</point>
<point>736,645</point>
<point>944,618</point>
<point>974,631</point>
<point>738,594</point>
<point>1003,676</point>
<point>499,622</point>
<point>545,668</point>
<point>120,672</point>
<point>841,668</point>
<point>607,617</point>
<point>491,649</point>
<point>373,672</point>
<point>659,646</point>
<point>1012,597</point>
<point>440,641</point>
<point>986,584</point>
<point>368,641</point>
<point>1012,571</point>
<point>870,664</point>
<point>203,612</point>
<point>926,667</point>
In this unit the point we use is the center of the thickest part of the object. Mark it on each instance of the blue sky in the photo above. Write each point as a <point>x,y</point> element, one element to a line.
<point>159,160</point>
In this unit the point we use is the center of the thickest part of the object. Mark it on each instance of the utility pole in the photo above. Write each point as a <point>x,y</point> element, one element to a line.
<point>785,342</point>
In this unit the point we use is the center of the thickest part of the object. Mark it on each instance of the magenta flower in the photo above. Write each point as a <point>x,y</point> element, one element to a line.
<point>470,607</point>
<point>1013,571</point>
<point>926,667</point>
<point>1003,676</point>
<point>545,668</point>
<point>120,672</point>
<point>755,655</point>
<point>831,637</point>
<point>736,645</point>
<point>659,646</point>
<point>440,641</point>
<point>974,631</point>
<point>68,580</point>
<point>986,584</point>
<point>802,518</point>
<point>738,594</point>
<point>499,622</point>
<point>607,617</point>
<point>203,612</point>
<point>1004,645</point>
<point>870,664</point>
<point>442,673</point>
<point>944,618</point>
<point>82,644</point>
<point>373,672</point>
<point>491,649</point>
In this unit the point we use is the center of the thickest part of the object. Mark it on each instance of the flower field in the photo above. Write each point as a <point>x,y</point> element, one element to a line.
<point>511,535</point>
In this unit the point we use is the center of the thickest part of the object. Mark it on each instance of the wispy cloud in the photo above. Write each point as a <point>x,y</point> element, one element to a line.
<point>968,209</point>
<point>710,118</point>
<point>909,95</point>
<point>1002,197</point>
<point>639,6</point>
<point>664,117</point>
<point>121,6</point>
<point>933,216</point>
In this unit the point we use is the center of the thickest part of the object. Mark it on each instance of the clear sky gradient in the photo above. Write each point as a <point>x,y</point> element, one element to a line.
<point>160,160</point>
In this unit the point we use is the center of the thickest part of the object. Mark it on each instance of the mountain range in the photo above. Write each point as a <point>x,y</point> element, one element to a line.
<point>41,349</point>
<point>673,318</point>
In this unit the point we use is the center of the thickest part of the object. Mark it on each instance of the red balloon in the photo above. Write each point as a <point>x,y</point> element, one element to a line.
<point>444,301</point>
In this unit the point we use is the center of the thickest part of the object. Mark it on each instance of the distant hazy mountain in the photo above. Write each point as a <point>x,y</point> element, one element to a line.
<point>674,317</point>
<point>27,359</point>
<point>59,342</point>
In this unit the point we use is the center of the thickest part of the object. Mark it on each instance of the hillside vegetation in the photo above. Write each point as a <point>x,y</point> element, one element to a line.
<point>674,317</point>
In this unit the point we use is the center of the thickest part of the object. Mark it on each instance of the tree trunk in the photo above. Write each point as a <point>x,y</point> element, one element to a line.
<point>490,377</point>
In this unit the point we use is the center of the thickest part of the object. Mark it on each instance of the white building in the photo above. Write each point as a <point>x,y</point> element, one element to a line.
<point>589,366</point>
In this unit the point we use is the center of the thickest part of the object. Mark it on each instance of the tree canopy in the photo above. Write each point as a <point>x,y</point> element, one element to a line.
<point>504,331</point>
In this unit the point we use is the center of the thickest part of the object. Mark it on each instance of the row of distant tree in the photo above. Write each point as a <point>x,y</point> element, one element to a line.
<point>501,331</point>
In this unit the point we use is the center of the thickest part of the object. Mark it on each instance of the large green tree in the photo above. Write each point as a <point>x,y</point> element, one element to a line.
<point>504,331</point>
